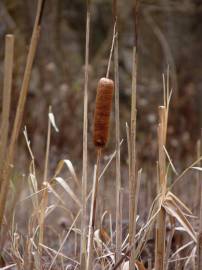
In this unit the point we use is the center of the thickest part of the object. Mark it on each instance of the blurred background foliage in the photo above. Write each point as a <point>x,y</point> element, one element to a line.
<point>169,35</point>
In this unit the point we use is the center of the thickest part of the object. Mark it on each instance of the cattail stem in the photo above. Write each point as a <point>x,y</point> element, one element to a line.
<point>89,265</point>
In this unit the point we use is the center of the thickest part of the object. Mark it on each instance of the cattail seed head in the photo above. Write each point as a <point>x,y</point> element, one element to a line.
<point>103,109</point>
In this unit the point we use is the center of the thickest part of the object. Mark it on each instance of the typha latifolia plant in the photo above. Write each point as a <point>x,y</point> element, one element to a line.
<point>101,125</point>
<point>166,203</point>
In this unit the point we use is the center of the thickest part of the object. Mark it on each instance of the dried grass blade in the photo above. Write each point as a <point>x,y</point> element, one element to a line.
<point>182,248</point>
<point>71,169</point>
<point>170,161</point>
<point>52,120</point>
<point>67,188</point>
<point>178,201</point>
<point>172,209</point>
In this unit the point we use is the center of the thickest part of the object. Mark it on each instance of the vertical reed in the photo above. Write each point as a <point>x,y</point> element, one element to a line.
<point>89,263</point>
<point>161,219</point>
<point>20,110</point>
<point>44,199</point>
<point>8,74</point>
<point>85,143</point>
<point>132,161</point>
<point>117,127</point>
<point>199,244</point>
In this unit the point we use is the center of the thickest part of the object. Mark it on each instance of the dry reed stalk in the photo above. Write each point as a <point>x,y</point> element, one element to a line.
<point>92,215</point>
<point>161,219</point>
<point>6,174</point>
<point>132,162</point>
<point>196,203</point>
<point>169,242</point>
<point>85,144</point>
<point>117,127</point>
<point>7,86</point>
<point>199,244</point>
<point>44,199</point>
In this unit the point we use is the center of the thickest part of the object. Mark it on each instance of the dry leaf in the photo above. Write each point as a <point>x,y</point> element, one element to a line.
<point>52,120</point>
<point>69,165</point>
<point>173,210</point>
<point>67,188</point>
<point>177,201</point>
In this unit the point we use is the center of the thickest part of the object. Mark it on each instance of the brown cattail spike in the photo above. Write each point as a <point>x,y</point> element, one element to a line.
<point>103,109</point>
